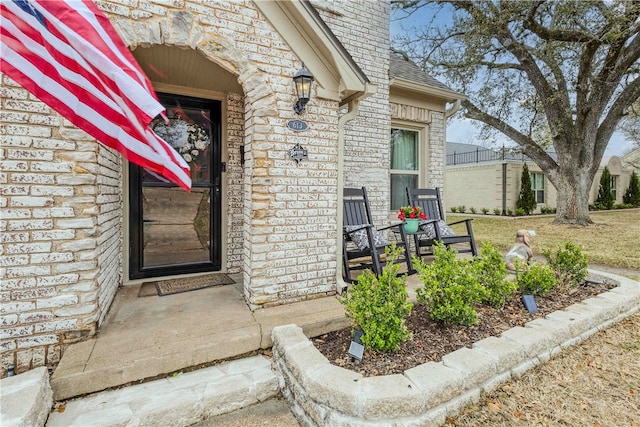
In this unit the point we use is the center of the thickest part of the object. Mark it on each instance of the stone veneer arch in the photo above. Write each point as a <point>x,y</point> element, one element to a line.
<point>181,29</point>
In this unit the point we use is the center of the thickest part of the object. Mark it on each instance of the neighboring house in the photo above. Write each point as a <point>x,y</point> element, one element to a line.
<point>477,177</point>
<point>631,160</point>
<point>78,221</point>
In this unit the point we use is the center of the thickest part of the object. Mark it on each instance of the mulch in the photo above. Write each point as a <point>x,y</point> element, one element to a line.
<point>432,339</point>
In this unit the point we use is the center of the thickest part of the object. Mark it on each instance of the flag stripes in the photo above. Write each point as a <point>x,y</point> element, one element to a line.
<point>68,55</point>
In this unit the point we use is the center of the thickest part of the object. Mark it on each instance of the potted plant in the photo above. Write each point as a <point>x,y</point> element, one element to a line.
<point>411,216</point>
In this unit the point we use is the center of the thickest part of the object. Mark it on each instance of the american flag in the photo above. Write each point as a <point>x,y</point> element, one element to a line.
<point>68,55</point>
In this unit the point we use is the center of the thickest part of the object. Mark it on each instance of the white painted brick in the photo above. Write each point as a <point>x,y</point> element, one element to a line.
<point>54,257</point>
<point>32,178</point>
<point>29,106</point>
<point>14,165</point>
<point>16,307</point>
<point>60,325</point>
<point>30,225</point>
<point>18,283</point>
<point>30,154</point>
<point>14,190</point>
<point>40,270</point>
<point>76,179</point>
<point>53,213</point>
<point>29,201</point>
<point>16,141</point>
<point>57,301</point>
<point>51,191</point>
<point>74,266</point>
<point>53,235</point>
<point>8,320</point>
<point>36,316</point>
<point>27,248</point>
<point>59,279</point>
<point>14,260</point>
<point>76,223</point>
<point>79,245</point>
<point>15,332</point>
<point>55,166</point>
<point>37,340</point>
<point>54,144</point>
<point>15,213</point>
<point>75,310</point>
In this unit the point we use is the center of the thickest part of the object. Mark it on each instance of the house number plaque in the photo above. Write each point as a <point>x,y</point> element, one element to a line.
<point>297,125</point>
<point>298,153</point>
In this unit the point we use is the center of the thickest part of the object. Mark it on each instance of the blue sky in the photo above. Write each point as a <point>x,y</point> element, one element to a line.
<point>460,129</point>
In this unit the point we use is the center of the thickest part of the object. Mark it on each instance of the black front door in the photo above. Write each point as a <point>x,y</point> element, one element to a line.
<point>173,231</point>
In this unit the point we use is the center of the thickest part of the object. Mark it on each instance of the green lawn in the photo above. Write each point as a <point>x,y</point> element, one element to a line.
<point>613,239</point>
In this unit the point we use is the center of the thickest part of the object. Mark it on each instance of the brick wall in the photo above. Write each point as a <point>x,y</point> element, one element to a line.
<point>234,184</point>
<point>363,27</point>
<point>62,193</point>
<point>61,231</point>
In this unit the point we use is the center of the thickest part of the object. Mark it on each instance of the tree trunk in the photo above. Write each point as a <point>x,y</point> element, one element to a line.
<point>573,197</point>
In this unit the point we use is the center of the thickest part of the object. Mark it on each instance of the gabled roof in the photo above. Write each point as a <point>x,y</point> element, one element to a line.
<point>336,73</point>
<point>405,74</point>
<point>631,159</point>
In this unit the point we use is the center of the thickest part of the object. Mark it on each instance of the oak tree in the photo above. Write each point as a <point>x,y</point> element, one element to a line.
<point>555,76</point>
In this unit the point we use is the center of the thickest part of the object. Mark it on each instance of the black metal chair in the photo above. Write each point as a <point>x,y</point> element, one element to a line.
<point>363,244</point>
<point>435,227</point>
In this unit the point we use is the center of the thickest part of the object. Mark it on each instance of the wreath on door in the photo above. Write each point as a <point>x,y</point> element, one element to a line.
<point>187,138</point>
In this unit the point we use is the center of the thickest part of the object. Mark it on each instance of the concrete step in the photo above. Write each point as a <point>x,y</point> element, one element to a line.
<point>151,336</point>
<point>181,400</point>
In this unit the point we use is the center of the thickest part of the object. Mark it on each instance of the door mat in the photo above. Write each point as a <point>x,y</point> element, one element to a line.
<point>175,286</point>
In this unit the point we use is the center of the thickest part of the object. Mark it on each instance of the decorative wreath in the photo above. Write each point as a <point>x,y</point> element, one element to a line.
<point>187,138</point>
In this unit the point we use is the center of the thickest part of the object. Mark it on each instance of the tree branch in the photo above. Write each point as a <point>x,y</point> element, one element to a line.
<point>629,95</point>
<point>544,33</point>
<point>530,147</point>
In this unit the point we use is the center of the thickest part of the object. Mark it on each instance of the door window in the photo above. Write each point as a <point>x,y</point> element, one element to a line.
<point>174,231</point>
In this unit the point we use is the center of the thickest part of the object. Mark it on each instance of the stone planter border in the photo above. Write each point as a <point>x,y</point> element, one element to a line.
<point>320,393</point>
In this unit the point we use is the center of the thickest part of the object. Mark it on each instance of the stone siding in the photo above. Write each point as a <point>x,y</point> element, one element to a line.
<point>61,261</point>
<point>63,198</point>
<point>367,136</point>
<point>234,185</point>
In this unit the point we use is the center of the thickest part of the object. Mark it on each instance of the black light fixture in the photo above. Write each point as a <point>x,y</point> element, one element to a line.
<point>302,80</point>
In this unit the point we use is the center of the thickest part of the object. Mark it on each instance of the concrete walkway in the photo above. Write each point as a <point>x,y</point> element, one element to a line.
<point>147,337</point>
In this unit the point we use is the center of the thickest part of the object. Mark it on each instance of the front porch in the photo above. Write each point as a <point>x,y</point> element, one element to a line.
<point>145,337</point>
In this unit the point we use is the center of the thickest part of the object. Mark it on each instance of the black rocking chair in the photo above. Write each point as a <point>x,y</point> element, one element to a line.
<point>435,228</point>
<point>363,244</point>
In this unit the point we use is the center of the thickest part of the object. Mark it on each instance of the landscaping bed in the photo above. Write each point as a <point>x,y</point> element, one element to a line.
<point>432,339</point>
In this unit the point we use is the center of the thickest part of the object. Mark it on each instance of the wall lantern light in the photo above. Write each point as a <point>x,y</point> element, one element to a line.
<point>302,79</point>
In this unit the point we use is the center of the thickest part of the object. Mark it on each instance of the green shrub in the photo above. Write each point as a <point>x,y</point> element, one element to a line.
<point>473,210</point>
<point>454,209</point>
<point>535,279</point>
<point>622,206</point>
<point>569,264</point>
<point>632,195</point>
<point>379,305</point>
<point>509,212</point>
<point>462,209</point>
<point>451,287</point>
<point>485,211</point>
<point>497,211</point>
<point>527,198</point>
<point>605,198</point>
<point>547,210</point>
<point>492,273</point>
<point>520,212</point>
